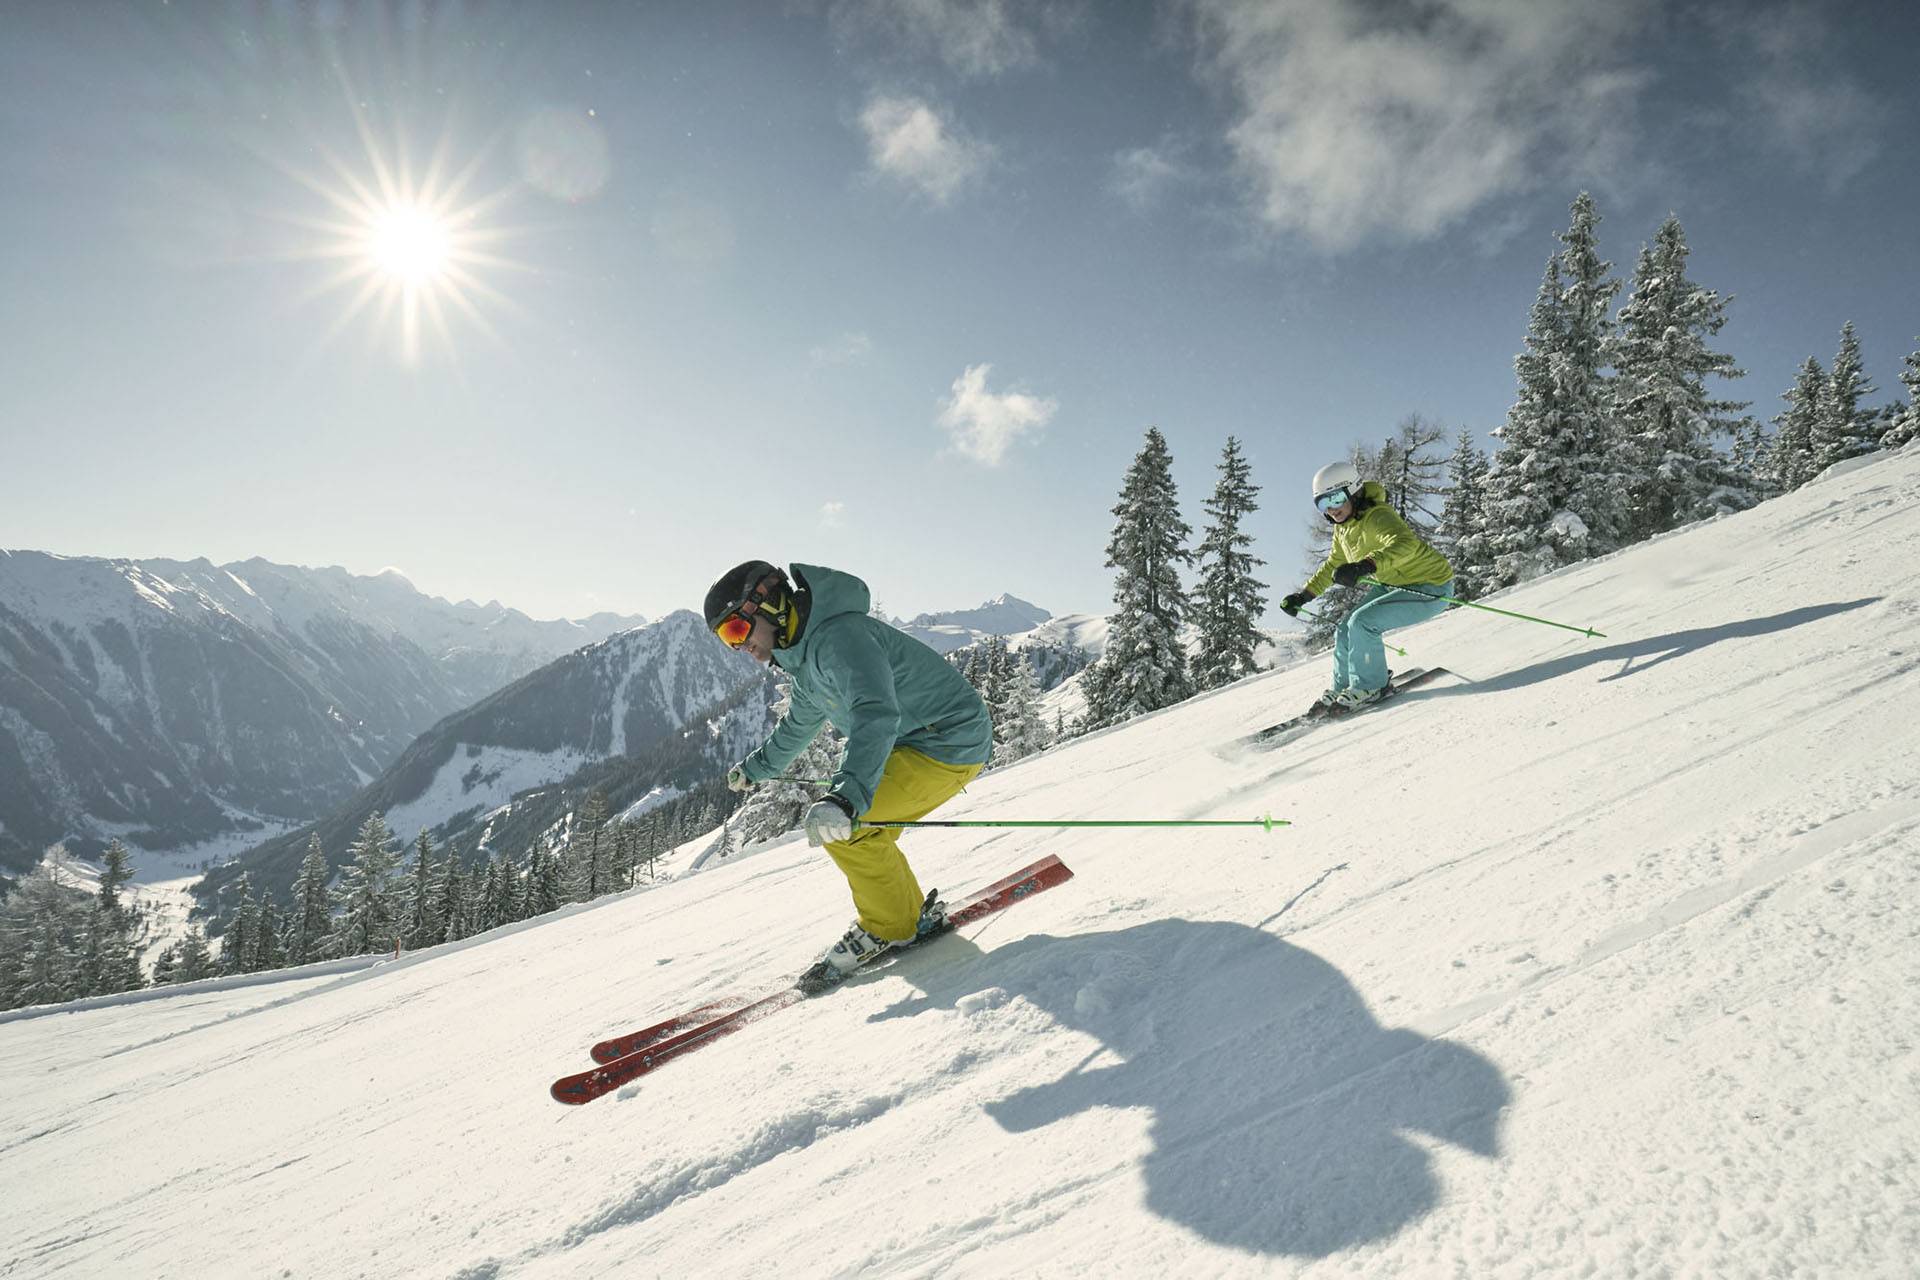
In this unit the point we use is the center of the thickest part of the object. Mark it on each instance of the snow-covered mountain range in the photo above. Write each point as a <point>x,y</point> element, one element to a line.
<point>658,706</point>
<point>1004,615</point>
<point>178,702</point>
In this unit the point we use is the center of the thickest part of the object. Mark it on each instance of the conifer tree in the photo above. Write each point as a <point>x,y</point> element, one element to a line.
<point>1461,534</point>
<point>1842,429</point>
<point>1791,461</point>
<point>1020,732</point>
<point>1672,425</point>
<point>191,959</point>
<point>368,916</point>
<point>268,953</point>
<point>310,923</point>
<point>1413,475</point>
<point>1229,602</point>
<point>1556,490</point>
<point>421,924</point>
<point>239,945</point>
<point>1145,664</point>
<point>588,849</point>
<point>1904,425</point>
<point>546,889</point>
<point>114,874</point>
<point>450,906</point>
<point>40,962</point>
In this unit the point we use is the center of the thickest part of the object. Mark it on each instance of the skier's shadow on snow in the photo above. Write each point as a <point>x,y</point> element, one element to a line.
<point>1281,1108</point>
<point>1675,644</point>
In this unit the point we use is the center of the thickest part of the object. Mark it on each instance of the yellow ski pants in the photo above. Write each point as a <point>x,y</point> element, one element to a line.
<point>885,892</point>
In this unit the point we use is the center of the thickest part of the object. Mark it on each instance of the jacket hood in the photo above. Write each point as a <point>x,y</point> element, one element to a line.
<point>830,593</point>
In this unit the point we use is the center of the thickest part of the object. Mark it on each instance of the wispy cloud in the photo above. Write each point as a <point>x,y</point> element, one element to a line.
<point>1796,89</point>
<point>1142,176</point>
<point>984,424</point>
<point>1361,121</point>
<point>848,348</point>
<point>909,142</point>
<point>833,515</point>
<point>971,37</point>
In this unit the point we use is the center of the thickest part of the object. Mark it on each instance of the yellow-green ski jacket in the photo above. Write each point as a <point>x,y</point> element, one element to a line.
<point>1377,533</point>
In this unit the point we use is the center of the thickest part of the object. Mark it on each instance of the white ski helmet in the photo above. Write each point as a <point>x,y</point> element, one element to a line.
<point>1336,475</point>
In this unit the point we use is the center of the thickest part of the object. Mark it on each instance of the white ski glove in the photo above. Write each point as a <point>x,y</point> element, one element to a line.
<point>829,821</point>
<point>737,779</point>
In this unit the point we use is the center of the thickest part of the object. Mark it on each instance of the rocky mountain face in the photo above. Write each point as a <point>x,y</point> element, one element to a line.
<point>177,703</point>
<point>660,708</point>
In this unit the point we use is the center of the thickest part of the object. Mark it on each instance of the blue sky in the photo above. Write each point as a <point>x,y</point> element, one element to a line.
<point>895,287</point>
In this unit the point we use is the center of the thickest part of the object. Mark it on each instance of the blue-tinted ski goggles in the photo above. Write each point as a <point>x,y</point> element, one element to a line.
<point>1332,498</point>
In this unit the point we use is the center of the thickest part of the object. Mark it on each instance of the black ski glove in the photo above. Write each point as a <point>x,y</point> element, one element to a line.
<point>1292,605</point>
<point>1349,574</point>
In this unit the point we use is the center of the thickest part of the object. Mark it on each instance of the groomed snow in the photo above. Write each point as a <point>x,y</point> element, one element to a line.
<point>1598,960</point>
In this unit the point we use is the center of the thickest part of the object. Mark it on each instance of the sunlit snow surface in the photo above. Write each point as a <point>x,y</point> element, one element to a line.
<point>1603,959</point>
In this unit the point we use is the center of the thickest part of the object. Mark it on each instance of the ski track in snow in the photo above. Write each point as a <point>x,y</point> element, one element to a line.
<point>1595,960</point>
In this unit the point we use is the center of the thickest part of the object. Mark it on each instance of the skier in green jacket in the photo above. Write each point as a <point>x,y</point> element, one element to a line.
<point>1370,540</point>
<point>916,734</point>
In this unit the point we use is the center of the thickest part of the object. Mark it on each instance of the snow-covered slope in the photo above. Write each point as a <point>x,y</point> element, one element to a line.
<point>1598,959</point>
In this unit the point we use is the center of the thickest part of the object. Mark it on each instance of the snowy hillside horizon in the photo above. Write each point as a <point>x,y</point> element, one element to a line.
<point>1594,957</point>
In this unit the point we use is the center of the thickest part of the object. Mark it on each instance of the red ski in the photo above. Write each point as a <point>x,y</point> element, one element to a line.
<point>655,1046</point>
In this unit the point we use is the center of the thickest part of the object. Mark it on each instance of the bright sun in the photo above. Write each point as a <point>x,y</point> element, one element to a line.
<point>411,243</point>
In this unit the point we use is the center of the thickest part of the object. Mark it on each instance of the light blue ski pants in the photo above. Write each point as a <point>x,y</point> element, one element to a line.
<point>1359,656</point>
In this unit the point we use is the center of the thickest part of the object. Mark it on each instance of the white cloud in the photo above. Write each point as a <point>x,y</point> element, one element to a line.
<point>1797,89</point>
<point>833,515</point>
<point>1141,176</point>
<point>848,348</point>
<point>972,37</point>
<point>909,142</point>
<point>984,424</point>
<point>1355,121</point>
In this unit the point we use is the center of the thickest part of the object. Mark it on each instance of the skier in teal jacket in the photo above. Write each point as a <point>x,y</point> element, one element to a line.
<point>916,734</point>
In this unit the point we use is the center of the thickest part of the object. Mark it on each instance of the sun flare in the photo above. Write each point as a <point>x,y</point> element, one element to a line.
<point>410,243</point>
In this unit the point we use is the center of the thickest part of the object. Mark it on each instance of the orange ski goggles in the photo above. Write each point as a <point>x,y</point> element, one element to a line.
<point>734,629</point>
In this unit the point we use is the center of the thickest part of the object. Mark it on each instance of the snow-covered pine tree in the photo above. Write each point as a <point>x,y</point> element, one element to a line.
<point>421,924</point>
<point>1461,534</point>
<point>589,851</point>
<point>239,945</point>
<point>369,920</point>
<point>546,887</point>
<point>1672,426</point>
<point>192,960</point>
<point>1905,424</point>
<point>310,922</point>
<point>113,875</point>
<point>1019,730</point>
<point>1146,666</point>
<point>1843,429</point>
<point>1556,491</point>
<point>1790,464</point>
<point>1229,602</point>
<point>268,953</point>
<point>450,905</point>
<point>38,928</point>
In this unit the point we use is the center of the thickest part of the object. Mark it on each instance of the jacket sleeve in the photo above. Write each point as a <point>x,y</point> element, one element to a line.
<point>1323,576</point>
<point>1401,555</point>
<point>797,728</point>
<point>862,680</point>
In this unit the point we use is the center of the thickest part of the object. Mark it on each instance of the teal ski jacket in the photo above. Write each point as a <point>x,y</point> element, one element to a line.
<point>878,686</point>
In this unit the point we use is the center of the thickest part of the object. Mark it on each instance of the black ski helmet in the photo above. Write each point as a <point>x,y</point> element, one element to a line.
<point>737,585</point>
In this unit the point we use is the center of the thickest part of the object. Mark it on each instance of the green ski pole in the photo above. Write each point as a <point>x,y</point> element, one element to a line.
<point>1545,622</point>
<point>1268,823</point>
